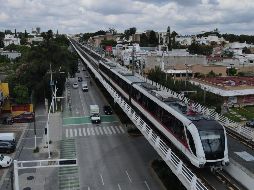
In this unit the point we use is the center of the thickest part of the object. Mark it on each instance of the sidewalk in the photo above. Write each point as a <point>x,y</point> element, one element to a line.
<point>43,178</point>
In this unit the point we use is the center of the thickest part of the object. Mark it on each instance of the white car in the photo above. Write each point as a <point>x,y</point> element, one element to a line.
<point>75,85</point>
<point>5,161</point>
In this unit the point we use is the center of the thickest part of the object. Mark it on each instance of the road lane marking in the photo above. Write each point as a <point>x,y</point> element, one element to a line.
<point>104,129</point>
<point>128,176</point>
<point>121,129</point>
<point>92,131</point>
<point>84,131</point>
<point>100,129</point>
<point>114,131</point>
<point>119,187</point>
<point>66,133</point>
<point>96,130</point>
<point>75,132</point>
<point>147,185</point>
<point>102,180</point>
<point>80,132</point>
<point>32,138</point>
<point>88,131</point>
<point>71,134</point>
<point>116,127</point>
<point>110,132</point>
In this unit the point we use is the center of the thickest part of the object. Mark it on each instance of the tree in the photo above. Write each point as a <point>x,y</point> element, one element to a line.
<point>112,31</point>
<point>246,50</point>
<point>153,40</point>
<point>108,43</point>
<point>21,94</point>
<point>211,74</point>
<point>169,39</point>
<point>232,71</point>
<point>129,32</point>
<point>196,48</point>
<point>143,40</point>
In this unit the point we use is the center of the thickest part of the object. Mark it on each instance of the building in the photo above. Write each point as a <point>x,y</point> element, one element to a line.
<point>35,39</point>
<point>236,91</point>
<point>184,40</point>
<point>210,40</point>
<point>10,54</point>
<point>10,39</point>
<point>96,40</point>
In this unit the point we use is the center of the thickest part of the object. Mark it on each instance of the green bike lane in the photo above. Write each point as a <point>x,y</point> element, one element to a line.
<point>67,121</point>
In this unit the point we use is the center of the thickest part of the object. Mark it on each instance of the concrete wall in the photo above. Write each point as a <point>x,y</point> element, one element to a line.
<point>171,61</point>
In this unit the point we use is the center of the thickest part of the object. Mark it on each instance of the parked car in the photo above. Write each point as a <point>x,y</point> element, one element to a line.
<point>6,120</point>
<point>8,137</point>
<point>250,123</point>
<point>83,69</point>
<point>80,79</point>
<point>5,161</point>
<point>75,85</point>
<point>7,147</point>
<point>107,110</point>
<point>78,71</point>
<point>25,117</point>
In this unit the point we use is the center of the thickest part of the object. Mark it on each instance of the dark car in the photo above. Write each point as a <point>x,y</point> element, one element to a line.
<point>6,120</point>
<point>78,71</point>
<point>7,147</point>
<point>250,123</point>
<point>107,110</point>
<point>80,79</point>
<point>25,117</point>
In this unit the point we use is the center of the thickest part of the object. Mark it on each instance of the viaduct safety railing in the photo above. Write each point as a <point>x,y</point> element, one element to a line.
<point>242,130</point>
<point>185,175</point>
<point>228,123</point>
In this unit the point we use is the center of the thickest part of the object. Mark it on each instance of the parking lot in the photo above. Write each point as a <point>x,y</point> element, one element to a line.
<point>19,130</point>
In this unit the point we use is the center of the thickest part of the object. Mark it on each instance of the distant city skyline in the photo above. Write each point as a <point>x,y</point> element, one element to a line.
<point>183,16</point>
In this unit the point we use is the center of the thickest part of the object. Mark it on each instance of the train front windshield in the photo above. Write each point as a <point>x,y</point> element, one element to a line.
<point>213,142</point>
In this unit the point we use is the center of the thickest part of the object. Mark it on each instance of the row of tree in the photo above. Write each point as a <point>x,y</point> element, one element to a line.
<point>204,98</point>
<point>31,71</point>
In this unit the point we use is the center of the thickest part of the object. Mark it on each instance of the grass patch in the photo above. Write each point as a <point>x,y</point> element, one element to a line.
<point>232,117</point>
<point>167,177</point>
<point>247,112</point>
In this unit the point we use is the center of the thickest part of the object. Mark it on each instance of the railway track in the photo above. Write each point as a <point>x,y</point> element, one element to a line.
<point>212,180</point>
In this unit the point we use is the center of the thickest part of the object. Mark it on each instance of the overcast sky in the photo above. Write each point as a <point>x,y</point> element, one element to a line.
<point>79,16</point>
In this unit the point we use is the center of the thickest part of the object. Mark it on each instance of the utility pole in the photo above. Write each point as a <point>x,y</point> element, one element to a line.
<point>133,60</point>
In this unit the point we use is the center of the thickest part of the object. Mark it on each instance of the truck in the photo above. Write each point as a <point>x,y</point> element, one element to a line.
<point>95,114</point>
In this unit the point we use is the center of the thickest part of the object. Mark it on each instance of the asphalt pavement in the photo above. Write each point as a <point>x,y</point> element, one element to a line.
<point>108,157</point>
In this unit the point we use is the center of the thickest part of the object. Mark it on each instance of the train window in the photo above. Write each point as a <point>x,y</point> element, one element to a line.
<point>191,143</point>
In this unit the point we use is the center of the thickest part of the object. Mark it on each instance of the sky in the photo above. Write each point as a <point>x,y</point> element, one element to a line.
<point>80,16</point>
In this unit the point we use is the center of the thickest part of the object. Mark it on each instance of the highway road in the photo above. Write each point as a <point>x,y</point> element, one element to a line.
<point>109,159</point>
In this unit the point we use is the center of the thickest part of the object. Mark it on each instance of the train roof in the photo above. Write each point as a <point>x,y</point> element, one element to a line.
<point>165,99</point>
<point>207,124</point>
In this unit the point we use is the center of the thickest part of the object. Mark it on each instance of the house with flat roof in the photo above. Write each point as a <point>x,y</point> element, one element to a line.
<point>11,39</point>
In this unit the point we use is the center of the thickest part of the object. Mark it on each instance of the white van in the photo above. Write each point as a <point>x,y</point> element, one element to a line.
<point>84,86</point>
<point>8,137</point>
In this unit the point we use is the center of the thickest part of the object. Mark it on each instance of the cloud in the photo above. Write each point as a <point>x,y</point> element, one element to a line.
<point>184,16</point>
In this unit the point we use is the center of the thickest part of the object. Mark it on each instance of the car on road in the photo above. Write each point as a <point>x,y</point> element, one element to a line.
<point>75,85</point>
<point>5,161</point>
<point>80,79</point>
<point>25,117</point>
<point>107,110</point>
<point>7,147</point>
<point>250,123</point>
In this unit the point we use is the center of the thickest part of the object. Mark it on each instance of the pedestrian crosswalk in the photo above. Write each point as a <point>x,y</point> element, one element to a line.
<point>93,131</point>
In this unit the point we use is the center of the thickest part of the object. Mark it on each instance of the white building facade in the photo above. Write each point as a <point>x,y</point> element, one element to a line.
<point>11,39</point>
